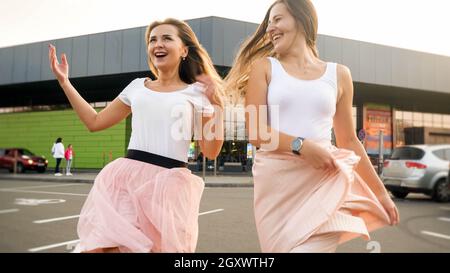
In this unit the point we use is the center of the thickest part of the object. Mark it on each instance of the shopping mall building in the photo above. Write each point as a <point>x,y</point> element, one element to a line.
<point>403,93</point>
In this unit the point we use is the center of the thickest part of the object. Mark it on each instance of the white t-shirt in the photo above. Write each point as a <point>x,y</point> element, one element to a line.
<point>163,123</point>
<point>58,150</point>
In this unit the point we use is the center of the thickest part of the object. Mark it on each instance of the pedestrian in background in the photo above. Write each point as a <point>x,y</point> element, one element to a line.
<point>58,154</point>
<point>69,157</point>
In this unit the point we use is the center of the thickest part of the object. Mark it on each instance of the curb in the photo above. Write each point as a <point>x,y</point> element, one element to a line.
<point>46,179</point>
<point>90,181</point>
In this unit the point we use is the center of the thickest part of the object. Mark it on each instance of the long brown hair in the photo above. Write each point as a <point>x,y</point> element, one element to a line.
<point>259,44</point>
<point>197,61</point>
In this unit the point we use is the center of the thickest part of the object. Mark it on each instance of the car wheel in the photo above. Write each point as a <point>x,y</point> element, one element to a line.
<point>400,193</point>
<point>441,191</point>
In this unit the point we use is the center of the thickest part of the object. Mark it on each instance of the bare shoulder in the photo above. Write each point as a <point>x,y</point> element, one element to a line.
<point>343,72</point>
<point>344,80</point>
<point>261,66</point>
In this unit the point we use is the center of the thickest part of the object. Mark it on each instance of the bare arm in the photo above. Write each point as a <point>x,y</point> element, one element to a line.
<point>256,95</point>
<point>346,138</point>
<point>111,115</point>
<point>212,147</point>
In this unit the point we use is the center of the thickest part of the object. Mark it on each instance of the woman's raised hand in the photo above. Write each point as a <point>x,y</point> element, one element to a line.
<point>210,88</point>
<point>60,70</point>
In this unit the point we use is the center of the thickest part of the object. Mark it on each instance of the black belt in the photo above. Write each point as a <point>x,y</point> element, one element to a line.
<point>155,159</point>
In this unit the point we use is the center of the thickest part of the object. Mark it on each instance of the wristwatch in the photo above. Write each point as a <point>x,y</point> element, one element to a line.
<point>296,145</point>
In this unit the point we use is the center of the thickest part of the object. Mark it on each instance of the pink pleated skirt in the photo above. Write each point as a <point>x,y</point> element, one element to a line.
<point>293,201</point>
<point>140,207</point>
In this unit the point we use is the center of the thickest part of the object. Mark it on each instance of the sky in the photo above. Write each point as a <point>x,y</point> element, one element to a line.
<point>412,24</point>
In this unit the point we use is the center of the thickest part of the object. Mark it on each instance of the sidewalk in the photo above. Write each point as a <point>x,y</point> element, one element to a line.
<point>221,180</point>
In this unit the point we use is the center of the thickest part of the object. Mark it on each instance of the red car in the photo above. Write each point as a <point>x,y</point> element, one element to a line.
<point>26,160</point>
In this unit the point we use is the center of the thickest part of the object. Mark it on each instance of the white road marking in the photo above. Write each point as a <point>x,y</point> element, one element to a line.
<point>211,211</point>
<point>46,192</point>
<point>42,186</point>
<point>55,219</point>
<point>37,202</point>
<point>8,211</point>
<point>37,249</point>
<point>76,216</point>
<point>445,219</point>
<point>434,234</point>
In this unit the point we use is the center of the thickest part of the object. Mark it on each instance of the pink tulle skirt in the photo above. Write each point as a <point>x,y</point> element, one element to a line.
<point>140,207</point>
<point>293,201</point>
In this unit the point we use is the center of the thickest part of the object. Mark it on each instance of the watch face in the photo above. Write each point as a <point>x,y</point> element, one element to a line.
<point>296,144</point>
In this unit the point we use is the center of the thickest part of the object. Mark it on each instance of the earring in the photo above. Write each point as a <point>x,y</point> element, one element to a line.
<point>184,58</point>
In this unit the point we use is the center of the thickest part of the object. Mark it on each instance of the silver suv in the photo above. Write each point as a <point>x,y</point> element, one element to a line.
<point>420,169</point>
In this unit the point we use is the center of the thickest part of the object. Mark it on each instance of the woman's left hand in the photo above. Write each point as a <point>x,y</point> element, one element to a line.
<point>210,88</point>
<point>390,208</point>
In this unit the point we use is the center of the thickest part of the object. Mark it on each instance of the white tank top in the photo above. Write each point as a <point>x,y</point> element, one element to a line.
<point>305,107</point>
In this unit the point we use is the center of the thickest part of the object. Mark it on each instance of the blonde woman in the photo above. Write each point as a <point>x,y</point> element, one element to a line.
<point>149,201</point>
<point>309,195</point>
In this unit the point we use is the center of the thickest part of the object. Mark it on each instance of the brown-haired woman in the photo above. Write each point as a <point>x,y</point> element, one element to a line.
<point>309,195</point>
<point>149,201</point>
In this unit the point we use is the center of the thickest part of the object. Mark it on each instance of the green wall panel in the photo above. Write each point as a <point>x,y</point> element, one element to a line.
<point>37,131</point>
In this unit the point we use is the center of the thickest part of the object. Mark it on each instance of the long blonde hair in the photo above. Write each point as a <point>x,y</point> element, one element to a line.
<point>197,61</point>
<point>259,44</point>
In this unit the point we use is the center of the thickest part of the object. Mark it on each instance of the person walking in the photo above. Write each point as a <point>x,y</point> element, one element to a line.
<point>149,200</point>
<point>309,196</point>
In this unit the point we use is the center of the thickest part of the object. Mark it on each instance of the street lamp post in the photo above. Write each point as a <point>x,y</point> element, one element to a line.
<point>380,152</point>
<point>204,167</point>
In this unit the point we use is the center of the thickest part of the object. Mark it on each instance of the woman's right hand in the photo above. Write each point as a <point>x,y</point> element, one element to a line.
<point>60,70</point>
<point>317,156</point>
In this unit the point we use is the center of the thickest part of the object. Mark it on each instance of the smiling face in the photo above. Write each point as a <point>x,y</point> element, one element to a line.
<point>282,28</point>
<point>165,48</point>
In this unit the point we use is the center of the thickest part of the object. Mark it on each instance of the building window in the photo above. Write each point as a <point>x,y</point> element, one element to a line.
<point>437,121</point>
<point>446,121</point>
<point>427,120</point>
<point>417,119</point>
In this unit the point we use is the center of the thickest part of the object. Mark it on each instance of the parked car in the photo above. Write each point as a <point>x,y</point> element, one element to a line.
<point>26,160</point>
<point>419,169</point>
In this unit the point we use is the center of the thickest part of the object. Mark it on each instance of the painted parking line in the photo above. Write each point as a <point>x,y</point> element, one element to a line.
<point>8,211</point>
<point>445,219</point>
<point>43,221</point>
<point>42,186</point>
<point>41,248</point>
<point>434,234</point>
<point>210,211</point>
<point>45,192</point>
